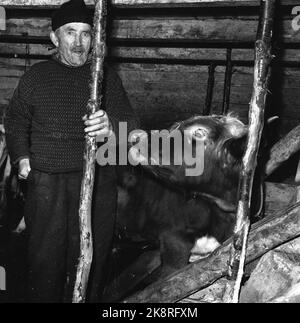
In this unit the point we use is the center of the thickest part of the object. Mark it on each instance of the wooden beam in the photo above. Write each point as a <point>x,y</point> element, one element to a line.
<point>283,150</point>
<point>140,3</point>
<point>192,32</point>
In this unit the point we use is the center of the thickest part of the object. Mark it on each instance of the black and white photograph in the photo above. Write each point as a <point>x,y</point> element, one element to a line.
<point>149,154</point>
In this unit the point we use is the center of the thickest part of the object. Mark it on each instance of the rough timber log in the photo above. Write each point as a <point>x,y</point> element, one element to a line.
<point>274,276</point>
<point>256,124</point>
<point>87,184</point>
<point>264,235</point>
<point>283,150</point>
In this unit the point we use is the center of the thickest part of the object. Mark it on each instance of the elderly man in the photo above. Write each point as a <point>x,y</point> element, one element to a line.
<point>45,129</point>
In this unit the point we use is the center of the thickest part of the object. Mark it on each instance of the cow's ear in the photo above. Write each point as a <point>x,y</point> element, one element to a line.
<point>236,146</point>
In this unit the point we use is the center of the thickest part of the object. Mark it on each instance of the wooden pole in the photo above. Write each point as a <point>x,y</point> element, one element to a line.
<point>86,246</point>
<point>256,123</point>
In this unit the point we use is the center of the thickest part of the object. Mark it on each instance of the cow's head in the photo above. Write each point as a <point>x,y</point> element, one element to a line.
<point>216,141</point>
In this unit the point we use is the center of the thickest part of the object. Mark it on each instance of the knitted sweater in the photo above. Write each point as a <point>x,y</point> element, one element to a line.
<point>44,118</point>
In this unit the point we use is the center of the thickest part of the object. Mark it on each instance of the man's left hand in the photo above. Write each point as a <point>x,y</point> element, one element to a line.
<point>97,124</point>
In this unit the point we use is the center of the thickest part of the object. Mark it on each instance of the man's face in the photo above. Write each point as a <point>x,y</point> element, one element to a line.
<point>73,41</point>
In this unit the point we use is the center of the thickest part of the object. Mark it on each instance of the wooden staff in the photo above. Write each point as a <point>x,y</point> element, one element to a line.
<point>86,246</point>
<point>256,123</point>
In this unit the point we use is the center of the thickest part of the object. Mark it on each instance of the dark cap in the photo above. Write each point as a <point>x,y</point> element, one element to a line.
<point>71,11</point>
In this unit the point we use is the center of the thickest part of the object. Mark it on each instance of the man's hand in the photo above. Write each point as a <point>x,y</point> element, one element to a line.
<point>24,168</point>
<point>97,124</point>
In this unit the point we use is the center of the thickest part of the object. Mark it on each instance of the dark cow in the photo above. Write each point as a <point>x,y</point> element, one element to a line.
<point>161,203</point>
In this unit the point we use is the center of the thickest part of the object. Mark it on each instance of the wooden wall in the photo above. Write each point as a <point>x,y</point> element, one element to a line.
<point>163,55</point>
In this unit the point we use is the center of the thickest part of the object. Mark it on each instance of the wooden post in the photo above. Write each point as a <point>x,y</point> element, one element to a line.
<point>256,124</point>
<point>86,246</point>
<point>210,89</point>
<point>227,82</point>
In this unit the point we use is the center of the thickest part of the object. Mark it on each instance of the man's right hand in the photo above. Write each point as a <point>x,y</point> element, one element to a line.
<point>24,168</point>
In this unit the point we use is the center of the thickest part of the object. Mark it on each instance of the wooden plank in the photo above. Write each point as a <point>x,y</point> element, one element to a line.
<point>153,89</point>
<point>248,54</point>
<point>138,52</point>
<point>224,29</point>
<point>164,83</point>
<point>167,29</point>
<point>149,73</point>
<point>31,26</point>
<point>157,105</point>
<point>193,2</point>
<point>15,63</point>
<point>158,53</point>
<point>158,119</point>
<point>157,102</point>
<point>140,3</point>
<point>165,79</point>
<point>289,98</point>
<point>169,53</point>
<point>35,49</point>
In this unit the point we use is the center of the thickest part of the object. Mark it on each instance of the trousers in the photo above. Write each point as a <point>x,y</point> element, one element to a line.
<point>52,221</point>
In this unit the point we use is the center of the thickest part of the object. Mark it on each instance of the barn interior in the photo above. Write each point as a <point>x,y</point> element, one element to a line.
<point>176,59</point>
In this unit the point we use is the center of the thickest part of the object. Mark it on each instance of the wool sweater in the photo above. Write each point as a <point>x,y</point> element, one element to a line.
<point>44,117</point>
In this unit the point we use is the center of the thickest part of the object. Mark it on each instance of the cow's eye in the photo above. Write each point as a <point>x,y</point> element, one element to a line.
<point>200,133</point>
